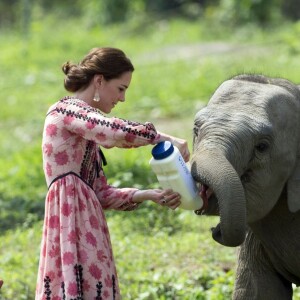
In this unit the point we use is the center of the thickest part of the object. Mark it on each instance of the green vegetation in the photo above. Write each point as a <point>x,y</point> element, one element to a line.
<point>160,254</point>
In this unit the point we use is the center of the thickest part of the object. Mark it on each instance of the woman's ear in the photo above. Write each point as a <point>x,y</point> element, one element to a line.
<point>98,79</point>
<point>293,188</point>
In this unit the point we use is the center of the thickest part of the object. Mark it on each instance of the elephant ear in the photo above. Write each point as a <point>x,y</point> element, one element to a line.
<point>293,184</point>
<point>293,188</point>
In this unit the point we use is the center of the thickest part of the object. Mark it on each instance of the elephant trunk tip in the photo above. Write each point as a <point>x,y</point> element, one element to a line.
<point>235,241</point>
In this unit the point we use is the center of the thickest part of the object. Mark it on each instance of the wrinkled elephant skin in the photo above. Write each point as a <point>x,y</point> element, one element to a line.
<point>246,153</point>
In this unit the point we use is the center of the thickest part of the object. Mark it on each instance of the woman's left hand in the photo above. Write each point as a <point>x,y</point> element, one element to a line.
<point>167,198</point>
<point>170,199</point>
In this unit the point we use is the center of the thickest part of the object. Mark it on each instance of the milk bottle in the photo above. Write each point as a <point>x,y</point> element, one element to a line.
<point>172,172</point>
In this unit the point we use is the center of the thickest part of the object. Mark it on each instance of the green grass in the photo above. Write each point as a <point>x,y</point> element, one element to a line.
<point>19,253</point>
<point>169,265</point>
<point>156,259</point>
<point>160,254</point>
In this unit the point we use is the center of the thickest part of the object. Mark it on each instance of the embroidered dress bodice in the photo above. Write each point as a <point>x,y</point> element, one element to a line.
<point>73,133</point>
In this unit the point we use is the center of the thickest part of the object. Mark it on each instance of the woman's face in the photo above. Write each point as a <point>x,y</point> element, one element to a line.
<point>113,91</point>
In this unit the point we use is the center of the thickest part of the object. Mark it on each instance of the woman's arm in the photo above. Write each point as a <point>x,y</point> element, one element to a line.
<point>87,122</point>
<point>111,197</point>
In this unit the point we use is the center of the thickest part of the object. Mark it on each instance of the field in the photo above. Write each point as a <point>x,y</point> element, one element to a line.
<point>160,254</point>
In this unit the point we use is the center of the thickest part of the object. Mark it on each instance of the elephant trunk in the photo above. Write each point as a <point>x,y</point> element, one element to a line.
<point>212,169</point>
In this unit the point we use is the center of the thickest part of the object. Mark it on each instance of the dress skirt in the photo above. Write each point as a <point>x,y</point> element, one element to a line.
<point>76,260</point>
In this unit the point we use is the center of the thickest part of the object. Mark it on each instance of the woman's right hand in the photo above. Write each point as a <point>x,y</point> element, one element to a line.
<point>181,144</point>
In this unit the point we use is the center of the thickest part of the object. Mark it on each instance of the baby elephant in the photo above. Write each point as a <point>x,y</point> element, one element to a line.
<point>246,158</point>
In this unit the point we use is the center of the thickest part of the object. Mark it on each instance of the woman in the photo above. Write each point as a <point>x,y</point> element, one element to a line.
<point>76,260</point>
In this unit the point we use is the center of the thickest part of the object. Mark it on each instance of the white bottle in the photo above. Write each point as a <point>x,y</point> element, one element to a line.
<point>172,172</point>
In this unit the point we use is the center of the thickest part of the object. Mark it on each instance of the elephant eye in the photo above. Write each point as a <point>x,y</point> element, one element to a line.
<point>196,131</point>
<point>262,147</point>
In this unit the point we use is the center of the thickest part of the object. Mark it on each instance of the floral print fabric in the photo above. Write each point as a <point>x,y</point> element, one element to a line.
<point>76,259</point>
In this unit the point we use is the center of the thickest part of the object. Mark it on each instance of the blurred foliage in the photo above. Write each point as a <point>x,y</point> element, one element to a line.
<point>19,14</point>
<point>244,11</point>
<point>291,9</point>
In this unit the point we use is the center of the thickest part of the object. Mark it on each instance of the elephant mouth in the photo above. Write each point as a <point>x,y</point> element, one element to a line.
<point>207,196</point>
<point>205,193</point>
<point>210,201</point>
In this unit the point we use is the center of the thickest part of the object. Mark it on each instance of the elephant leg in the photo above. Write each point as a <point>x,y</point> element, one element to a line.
<point>256,279</point>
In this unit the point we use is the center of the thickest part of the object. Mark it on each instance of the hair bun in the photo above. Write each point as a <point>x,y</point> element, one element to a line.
<point>66,67</point>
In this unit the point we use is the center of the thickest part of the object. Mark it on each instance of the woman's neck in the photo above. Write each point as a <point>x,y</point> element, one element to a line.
<point>87,95</point>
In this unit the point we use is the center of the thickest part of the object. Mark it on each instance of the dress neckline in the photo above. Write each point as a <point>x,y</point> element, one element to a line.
<point>81,103</point>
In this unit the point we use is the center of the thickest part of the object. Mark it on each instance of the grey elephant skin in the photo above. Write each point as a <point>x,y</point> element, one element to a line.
<point>246,159</point>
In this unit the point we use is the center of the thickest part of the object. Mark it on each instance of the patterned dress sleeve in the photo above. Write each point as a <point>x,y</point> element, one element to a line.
<point>114,198</point>
<point>82,119</point>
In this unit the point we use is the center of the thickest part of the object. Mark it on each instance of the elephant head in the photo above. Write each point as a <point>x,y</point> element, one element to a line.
<point>246,150</point>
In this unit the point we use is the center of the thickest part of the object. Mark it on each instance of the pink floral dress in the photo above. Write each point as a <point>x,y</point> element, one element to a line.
<point>76,259</point>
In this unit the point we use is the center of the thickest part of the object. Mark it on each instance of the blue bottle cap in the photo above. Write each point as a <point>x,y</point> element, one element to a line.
<point>162,150</point>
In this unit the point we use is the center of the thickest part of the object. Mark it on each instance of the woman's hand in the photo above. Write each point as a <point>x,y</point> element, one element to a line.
<point>181,144</point>
<point>167,197</point>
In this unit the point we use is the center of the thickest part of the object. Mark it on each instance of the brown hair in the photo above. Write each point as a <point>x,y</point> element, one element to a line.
<point>109,62</point>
